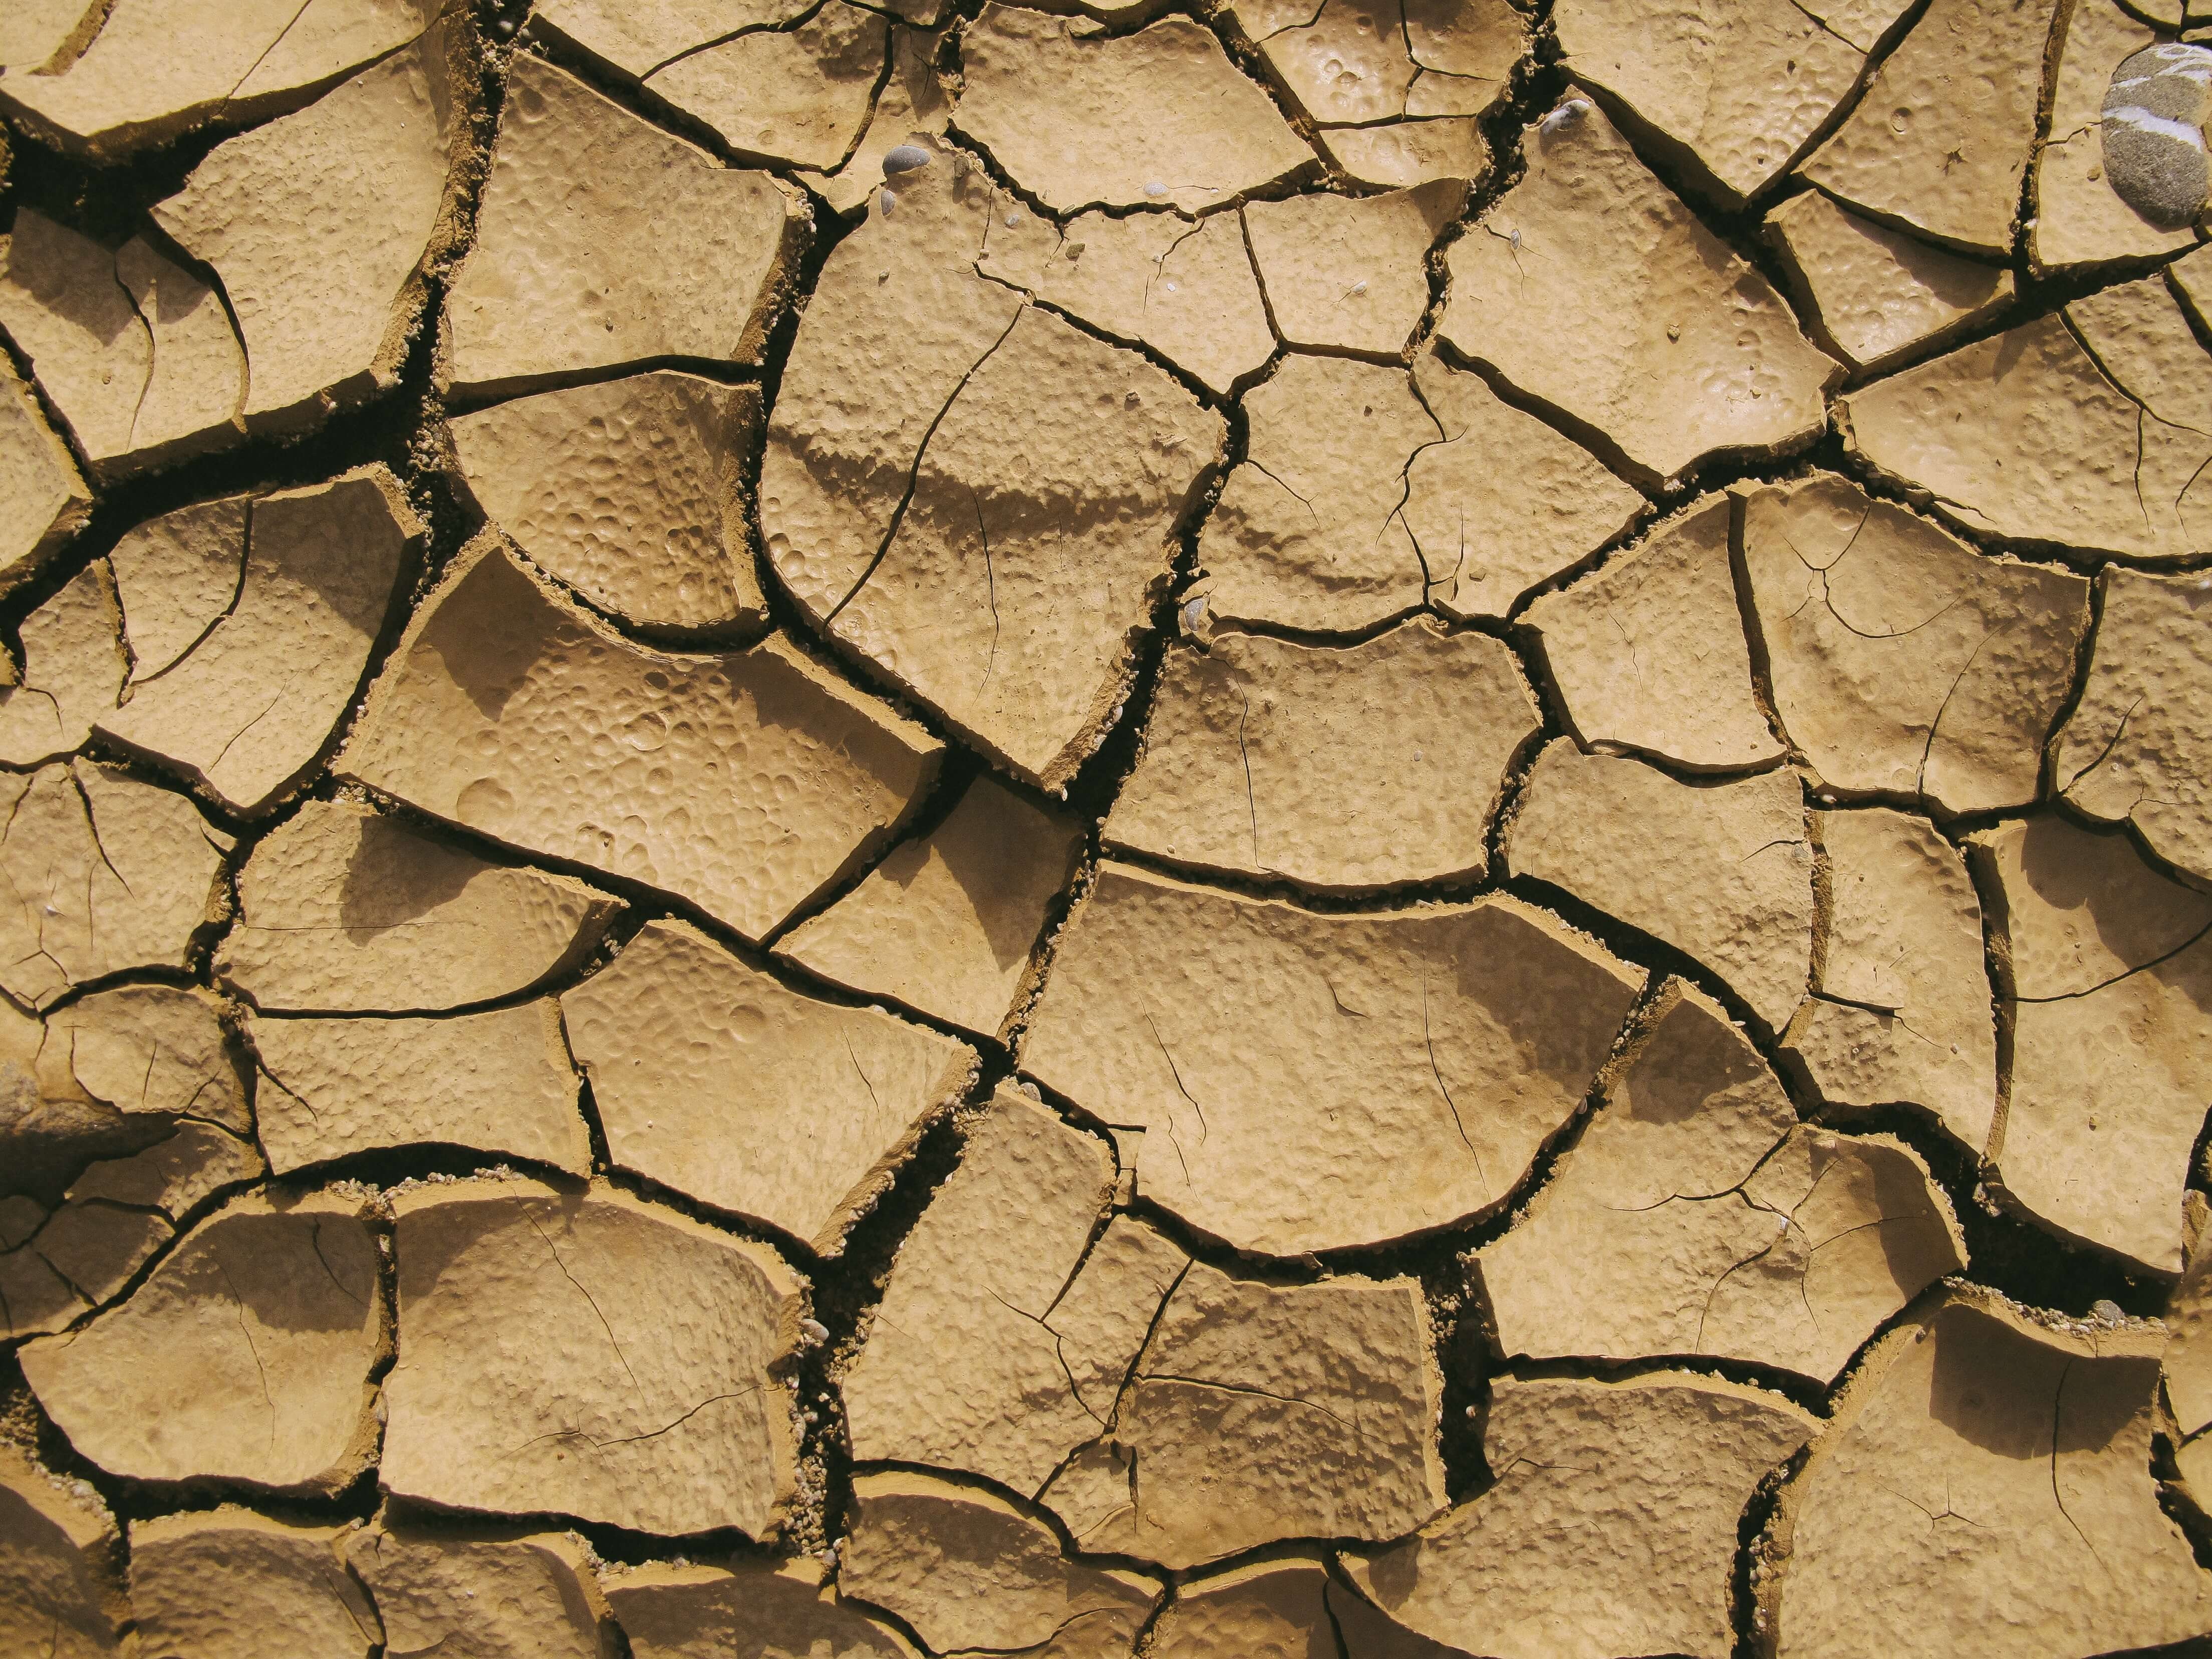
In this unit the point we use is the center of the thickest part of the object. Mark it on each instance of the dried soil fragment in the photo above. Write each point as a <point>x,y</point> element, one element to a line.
<point>1351,274</point>
<point>1503,502</point>
<point>1273,1607</point>
<point>497,1593</point>
<point>1723,871</point>
<point>60,1594</point>
<point>1877,295</point>
<point>1370,1076</point>
<point>320,226</point>
<point>1157,118</point>
<point>911,105</point>
<point>2187,1361</point>
<point>176,577</point>
<point>1039,528</point>
<point>1309,533</point>
<point>714,1079</point>
<point>249,707</point>
<point>136,353</point>
<point>960,1369</point>
<point>1186,289</point>
<point>106,872</point>
<point>2079,214</point>
<point>2139,746</point>
<point>1985,1487</point>
<point>603,240</point>
<point>762,1608</point>
<point>1261,1412</point>
<point>73,671</point>
<point>154,72</point>
<point>589,1354</point>
<point>947,923</point>
<point>244,1359</point>
<point>2112,1018</point>
<point>628,492</point>
<point>43,499</point>
<point>1738,102</point>
<point>637,39</point>
<point>1941,137</point>
<point>343,910</point>
<point>965,1570</point>
<point>497,1082</point>
<point>743,783</point>
<point>1591,288</point>
<point>1650,654</point>
<point>1668,1459</point>
<point>1715,1223</point>
<point>1900,1009</point>
<point>42,37</point>
<point>231,1584</point>
<point>1379,763</point>
<point>2028,436</point>
<point>1904,663</point>
<point>1395,89</point>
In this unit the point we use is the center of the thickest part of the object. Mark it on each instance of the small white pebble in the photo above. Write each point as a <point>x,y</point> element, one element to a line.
<point>1013,218</point>
<point>2108,1311</point>
<point>1156,190</point>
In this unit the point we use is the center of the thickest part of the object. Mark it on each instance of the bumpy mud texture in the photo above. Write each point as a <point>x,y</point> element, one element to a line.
<point>1269,830</point>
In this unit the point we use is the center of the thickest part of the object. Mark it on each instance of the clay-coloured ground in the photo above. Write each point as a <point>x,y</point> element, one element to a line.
<point>1363,829</point>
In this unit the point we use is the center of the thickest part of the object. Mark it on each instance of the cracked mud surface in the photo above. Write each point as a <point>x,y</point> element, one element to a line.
<point>919,828</point>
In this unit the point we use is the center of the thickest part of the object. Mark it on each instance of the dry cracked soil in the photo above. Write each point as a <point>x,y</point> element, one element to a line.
<point>691,690</point>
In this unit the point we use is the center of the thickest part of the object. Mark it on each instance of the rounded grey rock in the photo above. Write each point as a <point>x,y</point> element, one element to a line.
<point>905,159</point>
<point>2152,128</point>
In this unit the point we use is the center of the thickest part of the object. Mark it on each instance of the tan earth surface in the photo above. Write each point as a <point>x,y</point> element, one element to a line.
<point>925,829</point>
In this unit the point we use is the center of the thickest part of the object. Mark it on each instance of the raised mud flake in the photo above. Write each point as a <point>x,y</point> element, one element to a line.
<point>1273,1607</point>
<point>104,873</point>
<point>627,492</point>
<point>1157,118</point>
<point>1722,871</point>
<point>135,353</point>
<point>2081,216</point>
<point>1592,288</point>
<point>1262,1412</point>
<point>718,1081</point>
<point>1339,769</point>
<point>1986,1486</point>
<point>229,1583</point>
<point>1904,664</point>
<point>965,1569</point>
<point>1900,1002</point>
<point>497,1591</point>
<point>1740,101</point>
<point>2187,1359</point>
<point>2028,436</point>
<point>592,1355</point>
<point>61,1594</point>
<point>754,1608</point>
<point>1650,654</point>
<point>1309,532</point>
<point>1874,294</point>
<point>1351,274</point>
<point>743,783</point>
<point>154,72</point>
<point>659,251</point>
<point>1714,1223</point>
<point>45,498</point>
<point>321,224</point>
<point>798,96</point>
<point>1503,502</point>
<point>346,910</point>
<point>73,671</point>
<point>496,1082</point>
<point>2111,1016</point>
<point>911,105</point>
<point>243,1358</point>
<point>948,923</point>
<point>1368,1076</point>
<point>960,1369</point>
<point>1038,529</point>
<point>176,577</point>
<point>2138,748</point>
<point>246,710</point>
<point>1184,287</point>
<point>1943,135</point>
<point>43,36</point>
<point>1667,1458</point>
<point>637,39</point>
